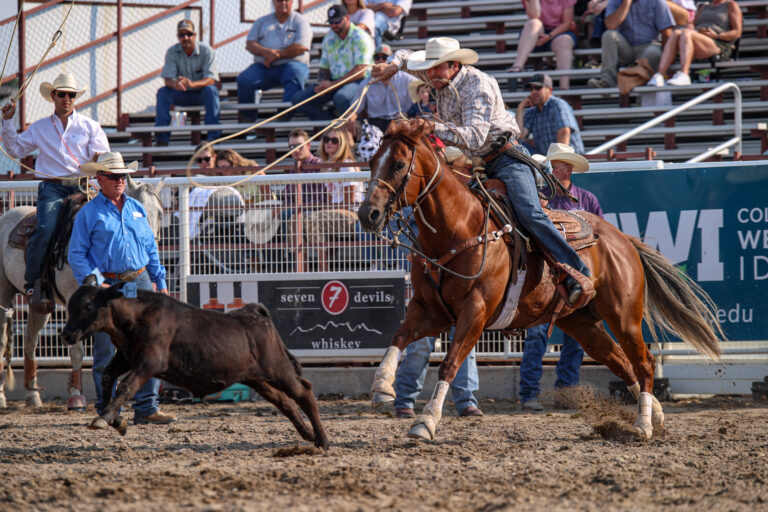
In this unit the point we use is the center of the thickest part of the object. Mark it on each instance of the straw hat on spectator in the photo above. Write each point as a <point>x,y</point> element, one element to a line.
<point>262,222</point>
<point>63,82</point>
<point>564,153</point>
<point>413,90</point>
<point>109,162</point>
<point>439,50</point>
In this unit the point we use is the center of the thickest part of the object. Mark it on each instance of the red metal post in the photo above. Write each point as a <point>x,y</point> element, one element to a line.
<point>22,45</point>
<point>119,97</point>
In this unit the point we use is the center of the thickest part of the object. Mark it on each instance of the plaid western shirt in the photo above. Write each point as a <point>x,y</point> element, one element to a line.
<point>543,124</point>
<point>477,117</point>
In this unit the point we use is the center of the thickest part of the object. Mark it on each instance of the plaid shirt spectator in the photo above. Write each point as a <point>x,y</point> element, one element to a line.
<point>312,194</point>
<point>555,114</point>
<point>474,113</point>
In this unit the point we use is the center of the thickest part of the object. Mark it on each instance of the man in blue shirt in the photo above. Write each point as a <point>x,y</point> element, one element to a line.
<point>547,118</point>
<point>190,79</point>
<point>633,28</point>
<point>280,43</point>
<point>112,240</point>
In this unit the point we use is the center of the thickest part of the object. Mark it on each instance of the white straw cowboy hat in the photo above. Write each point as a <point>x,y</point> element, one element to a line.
<point>262,223</point>
<point>109,162</point>
<point>413,90</point>
<point>439,50</point>
<point>564,153</point>
<point>452,153</point>
<point>63,82</point>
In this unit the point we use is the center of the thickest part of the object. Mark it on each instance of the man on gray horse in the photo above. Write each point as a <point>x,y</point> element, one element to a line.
<point>473,116</point>
<point>65,140</point>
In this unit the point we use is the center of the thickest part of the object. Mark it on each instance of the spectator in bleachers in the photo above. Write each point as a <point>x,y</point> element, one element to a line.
<point>190,79</point>
<point>423,104</point>
<point>347,50</point>
<point>683,11</point>
<point>336,147</point>
<point>280,43</point>
<point>361,16</point>
<point>303,162</point>
<point>717,26</point>
<point>548,29</point>
<point>547,118</point>
<point>229,158</point>
<point>389,16</point>
<point>593,20</point>
<point>633,32</point>
<point>381,105</point>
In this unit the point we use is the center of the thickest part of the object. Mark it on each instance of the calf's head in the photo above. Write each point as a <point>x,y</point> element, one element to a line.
<point>88,311</point>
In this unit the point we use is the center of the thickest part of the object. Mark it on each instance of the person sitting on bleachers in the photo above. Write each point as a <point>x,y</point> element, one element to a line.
<point>423,103</point>
<point>361,16</point>
<point>548,29</point>
<point>280,43</point>
<point>547,118</point>
<point>347,50</point>
<point>684,11</point>
<point>389,16</point>
<point>717,26</point>
<point>381,104</point>
<point>633,31</point>
<point>338,147</point>
<point>190,79</point>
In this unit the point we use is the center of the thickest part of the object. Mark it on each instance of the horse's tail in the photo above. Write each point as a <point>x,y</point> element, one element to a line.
<point>675,303</point>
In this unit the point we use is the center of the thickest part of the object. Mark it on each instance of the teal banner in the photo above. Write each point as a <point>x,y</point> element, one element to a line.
<point>710,221</point>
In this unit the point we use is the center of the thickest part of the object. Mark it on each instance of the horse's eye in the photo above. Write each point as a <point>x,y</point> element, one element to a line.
<point>400,165</point>
<point>89,306</point>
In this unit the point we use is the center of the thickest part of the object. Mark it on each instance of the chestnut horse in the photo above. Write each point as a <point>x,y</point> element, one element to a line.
<point>632,281</point>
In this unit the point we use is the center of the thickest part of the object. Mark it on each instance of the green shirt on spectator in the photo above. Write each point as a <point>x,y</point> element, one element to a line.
<point>341,55</point>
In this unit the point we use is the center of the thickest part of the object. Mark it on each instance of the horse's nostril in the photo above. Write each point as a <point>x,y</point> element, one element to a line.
<point>374,216</point>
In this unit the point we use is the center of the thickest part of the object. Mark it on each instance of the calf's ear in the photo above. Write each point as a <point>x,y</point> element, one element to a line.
<point>90,281</point>
<point>111,293</point>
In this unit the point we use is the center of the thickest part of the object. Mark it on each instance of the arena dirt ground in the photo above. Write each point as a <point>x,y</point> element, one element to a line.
<point>713,456</point>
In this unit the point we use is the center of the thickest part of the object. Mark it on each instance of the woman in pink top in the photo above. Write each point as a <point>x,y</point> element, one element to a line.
<point>548,28</point>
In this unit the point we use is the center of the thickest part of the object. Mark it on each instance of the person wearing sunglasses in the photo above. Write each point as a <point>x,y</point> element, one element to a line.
<point>113,241</point>
<point>280,43</point>
<point>190,76</point>
<point>337,147</point>
<point>547,118</point>
<point>347,50</point>
<point>65,140</point>
<point>361,16</point>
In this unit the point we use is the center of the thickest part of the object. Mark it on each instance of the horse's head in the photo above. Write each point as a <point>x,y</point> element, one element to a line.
<point>148,196</point>
<point>400,170</point>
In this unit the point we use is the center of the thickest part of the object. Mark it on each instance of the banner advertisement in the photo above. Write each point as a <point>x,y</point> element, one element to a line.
<point>712,222</point>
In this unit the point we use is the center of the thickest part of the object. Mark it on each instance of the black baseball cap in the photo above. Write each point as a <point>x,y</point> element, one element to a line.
<point>336,13</point>
<point>540,79</point>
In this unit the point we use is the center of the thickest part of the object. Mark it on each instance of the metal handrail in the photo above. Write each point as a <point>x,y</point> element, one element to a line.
<point>685,106</point>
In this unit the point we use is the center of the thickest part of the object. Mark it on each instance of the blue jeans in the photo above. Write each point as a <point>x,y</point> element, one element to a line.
<point>530,367</point>
<point>292,76</point>
<point>380,22</point>
<point>342,99</point>
<point>50,199</point>
<point>413,370</point>
<point>521,189</point>
<point>207,96</point>
<point>145,401</point>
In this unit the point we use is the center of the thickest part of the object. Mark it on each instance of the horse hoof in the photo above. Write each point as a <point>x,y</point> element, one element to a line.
<point>120,425</point>
<point>644,431</point>
<point>3,403</point>
<point>98,424</point>
<point>76,403</point>
<point>379,399</point>
<point>33,400</point>
<point>657,418</point>
<point>420,431</point>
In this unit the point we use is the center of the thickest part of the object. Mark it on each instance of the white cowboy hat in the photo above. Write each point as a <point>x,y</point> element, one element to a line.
<point>413,90</point>
<point>452,153</point>
<point>63,82</point>
<point>108,162</point>
<point>261,224</point>
<point>564,153</point>
<point>439,50</point>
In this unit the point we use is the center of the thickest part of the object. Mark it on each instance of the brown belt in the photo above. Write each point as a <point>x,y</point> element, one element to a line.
<point>131,275</point>
<point>493,154</point>
<point>67,182</point>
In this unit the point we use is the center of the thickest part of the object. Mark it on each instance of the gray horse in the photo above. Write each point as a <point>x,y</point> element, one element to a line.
<point>12,282</point>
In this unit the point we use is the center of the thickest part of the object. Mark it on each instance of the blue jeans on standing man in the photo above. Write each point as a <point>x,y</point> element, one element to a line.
<point>50,199</point>
<point>567,369</point>
<point>145,401</point>
<point>292,76</point>
<point>521,189</point>
<point>412,371</point>
<point>342,99</point>
<point>207,96</point>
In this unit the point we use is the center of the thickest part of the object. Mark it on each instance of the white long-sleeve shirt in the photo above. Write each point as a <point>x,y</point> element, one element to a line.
<point>62,151</point>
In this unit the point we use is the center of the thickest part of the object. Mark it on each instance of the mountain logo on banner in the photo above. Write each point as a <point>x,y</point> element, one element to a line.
<point>331,323</point>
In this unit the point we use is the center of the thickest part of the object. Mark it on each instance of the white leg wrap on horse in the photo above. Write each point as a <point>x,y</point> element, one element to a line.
<point>643,425</point>
<point>425,424</point>
<point>635,390</point>
<point>382,390</point>
<point>658,415</point>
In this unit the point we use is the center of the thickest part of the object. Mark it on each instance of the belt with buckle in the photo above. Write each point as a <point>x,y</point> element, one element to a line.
<point>494,153</point>
<point>67,182</point>
<point>131,275</point>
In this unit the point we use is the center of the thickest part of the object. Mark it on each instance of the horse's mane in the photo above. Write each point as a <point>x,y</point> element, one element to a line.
<point>409,132</point>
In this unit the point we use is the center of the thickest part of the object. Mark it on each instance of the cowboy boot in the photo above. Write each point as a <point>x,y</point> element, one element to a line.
<point>30,382</point>
<point>76,400</point>
<point>38,300</point>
